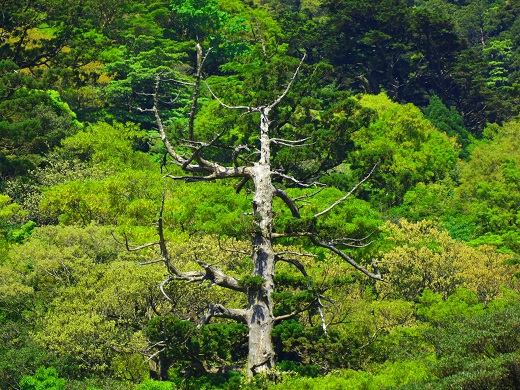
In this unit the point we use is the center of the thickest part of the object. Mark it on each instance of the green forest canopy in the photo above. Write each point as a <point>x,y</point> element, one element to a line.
<point>427,90</point>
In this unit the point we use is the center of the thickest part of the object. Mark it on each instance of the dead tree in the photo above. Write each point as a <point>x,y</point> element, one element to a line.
<point>259,314</point>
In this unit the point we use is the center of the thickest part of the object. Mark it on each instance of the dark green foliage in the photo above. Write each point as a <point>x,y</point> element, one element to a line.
<point>450,122</point>
<point>479,352</point>
<point>309,351</point>
<point>193,350</point>
<point>32,123</point>
<point>150,384</point>
<point>252,281</point>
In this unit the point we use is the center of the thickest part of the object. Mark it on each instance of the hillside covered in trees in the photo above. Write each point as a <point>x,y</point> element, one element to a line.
<point>259,194</point>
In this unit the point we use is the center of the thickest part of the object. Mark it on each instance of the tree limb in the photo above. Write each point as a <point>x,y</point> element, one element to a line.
<point>216,276</point>
<point>352,242</point>
<point>348,259</point>
<point>220,311</point>
<point>296,263</point>
<point>306,196</point>
<point>196,154</point>
<point>299,183</point>
<point>295,312</point>
<point>348,194</point>
<point>247,108</point>
<point>290,143</point>
<point>284,93</point>
<point>288,201</point>
<point>219,172</point>
<point>216,170</point>
<point>196,87</point>
<point>241,184</point>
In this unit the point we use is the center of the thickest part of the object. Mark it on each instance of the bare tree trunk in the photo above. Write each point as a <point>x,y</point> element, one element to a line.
<point>260,309</point>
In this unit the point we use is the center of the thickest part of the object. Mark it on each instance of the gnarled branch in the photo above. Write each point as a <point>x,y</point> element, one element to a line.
<point>288,201</point>
<point>215,170</point>
<point>216,276</point>
<point>220,311</point>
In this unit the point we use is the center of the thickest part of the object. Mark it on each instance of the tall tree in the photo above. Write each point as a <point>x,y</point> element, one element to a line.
<point>267,185</point>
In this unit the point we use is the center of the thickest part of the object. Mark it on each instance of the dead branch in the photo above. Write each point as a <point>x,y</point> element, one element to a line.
<point>289,84</point>
<point>216,171</point>
<point>295,312</point>
<point>210,273</point>
<point>302,254</point>
<point>348,259</point>
<point>219,172</point>
<point>164,283</point>
<point>138,248</point>
<point>239,251</point>
<point>290,143</point>
<point>299,183</point>
<point>322,317</point>
<point>247,108</point>
<point>237,152</point>
<point>307,196</point>
<point>151,262</point>
<point>216,276</point>
<point>301,268</point>
<point>288,201</point>
<point>294,234</point>
<point>220,311</point>
<point>296,263</point>
<point>352,242</point>
<point>196,154</point>
<point>241,184</point>
<point>348,194</point>
<point>196,87</point>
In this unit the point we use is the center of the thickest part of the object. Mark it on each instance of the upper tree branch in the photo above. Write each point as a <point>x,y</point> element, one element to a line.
<point>195,97</point>
<point>284,93</point>
<point>215,170</point>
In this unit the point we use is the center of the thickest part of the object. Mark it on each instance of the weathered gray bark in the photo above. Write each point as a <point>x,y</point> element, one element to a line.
<point>260,310</point>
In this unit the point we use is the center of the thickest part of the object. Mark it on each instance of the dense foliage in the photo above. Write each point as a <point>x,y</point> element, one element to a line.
<point>428,92</point>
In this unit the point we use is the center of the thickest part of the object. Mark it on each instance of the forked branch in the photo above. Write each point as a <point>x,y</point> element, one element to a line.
<point>202,166</point>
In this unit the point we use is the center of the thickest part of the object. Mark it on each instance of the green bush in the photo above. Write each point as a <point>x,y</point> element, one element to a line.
<point>43,379</point>
<point>150,384</point>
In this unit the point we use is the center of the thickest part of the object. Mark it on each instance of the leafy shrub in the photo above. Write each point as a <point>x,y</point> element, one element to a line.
<point>43,379</point>
<point>150,384</point>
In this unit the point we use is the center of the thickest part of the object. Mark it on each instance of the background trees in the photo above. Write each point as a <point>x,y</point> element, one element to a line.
<point>81,171</point>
